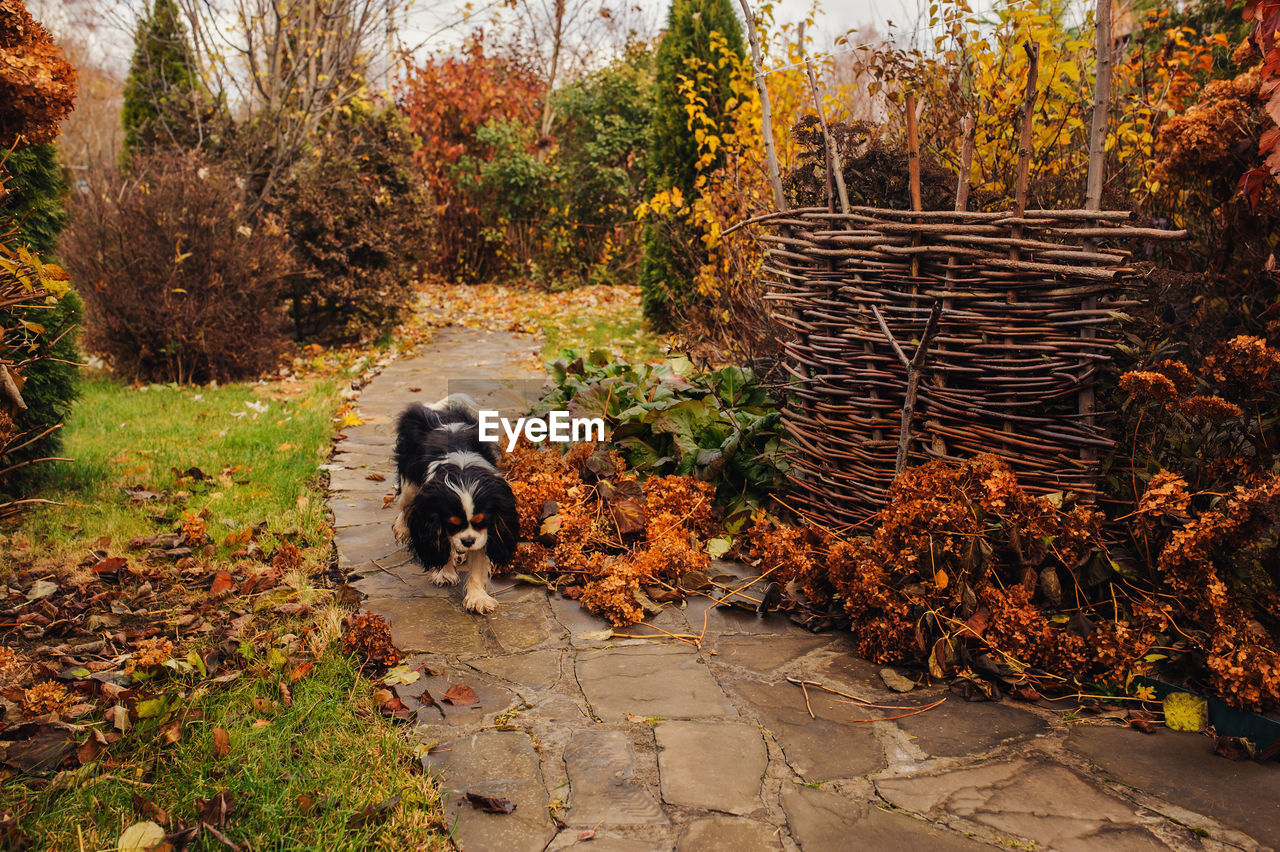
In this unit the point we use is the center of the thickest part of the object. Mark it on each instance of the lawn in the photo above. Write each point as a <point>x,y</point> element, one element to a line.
<point>248,610</point>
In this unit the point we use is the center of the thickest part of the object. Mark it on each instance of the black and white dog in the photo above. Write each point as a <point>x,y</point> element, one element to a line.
<point>455,507</point>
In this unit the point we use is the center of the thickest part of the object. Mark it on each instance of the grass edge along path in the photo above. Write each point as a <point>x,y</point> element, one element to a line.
<point>253,705</point>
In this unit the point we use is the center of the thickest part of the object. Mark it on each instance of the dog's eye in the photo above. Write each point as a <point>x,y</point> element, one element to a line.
<point>478,522</point>
<point>457,522</point>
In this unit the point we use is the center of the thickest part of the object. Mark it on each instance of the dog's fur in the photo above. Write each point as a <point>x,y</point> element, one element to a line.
<point>455,506</point>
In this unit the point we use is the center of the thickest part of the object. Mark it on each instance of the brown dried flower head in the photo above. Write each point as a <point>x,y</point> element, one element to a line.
<point>1166,495</point>
<point>47,697</point>
<point>1212,408</point>
<point>1176,372</point>
<point>152,652</point>
<point>1245,363</point>
<point>1149,385</point>
<point>288,557</point>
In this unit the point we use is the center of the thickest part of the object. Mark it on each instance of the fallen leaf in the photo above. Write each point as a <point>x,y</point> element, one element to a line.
<point>589,834</point>
<point>41,589</point>
<point>376,477</point>
<point>460,694</point>
<point>1185,712</point>
<point>140,837</point>
<point>147,808</point>
<point>896,682</point>
<point>1234,748</point>
<point>222,583</point>
<point>217,810</point>
<point>1141,720</point>
<point>43,750</point>
<point>370,812</point>
<point>301,670</point>
<point>426,700</point>
<point>172,732</point>
<point>221,742</point>
<point>490,804</point>
<point>402,675</point>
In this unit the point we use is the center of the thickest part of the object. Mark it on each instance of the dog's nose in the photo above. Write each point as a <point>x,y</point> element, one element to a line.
<point>467,540</point>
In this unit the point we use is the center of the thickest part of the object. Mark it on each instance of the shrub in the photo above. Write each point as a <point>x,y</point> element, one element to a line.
<point>37,85</point>
<point>180,284</point>
<point>693,51</point>
<point>359,221</point>
<point>601,157</point>
<point>446,102</point>
<point>164,103</point>
<point>35,202</point>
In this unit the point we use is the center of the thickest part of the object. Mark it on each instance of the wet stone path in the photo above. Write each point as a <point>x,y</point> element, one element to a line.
<point>624,745</point>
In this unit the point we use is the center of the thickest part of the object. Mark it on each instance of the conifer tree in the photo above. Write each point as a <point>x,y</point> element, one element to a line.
<point>670,257</point>
<point>35,205</point>
<point>163,97</point>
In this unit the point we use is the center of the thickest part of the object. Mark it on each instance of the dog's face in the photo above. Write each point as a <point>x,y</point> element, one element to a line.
<point>467,529</point>
<point>465,511</point>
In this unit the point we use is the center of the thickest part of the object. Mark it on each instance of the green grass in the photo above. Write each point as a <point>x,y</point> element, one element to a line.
<point>624,336</point>
<point>331,742</point>
<point>329,751</point>
<point>121,436</point>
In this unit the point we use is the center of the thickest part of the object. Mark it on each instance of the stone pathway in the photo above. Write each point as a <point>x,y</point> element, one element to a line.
<point>617,745</point>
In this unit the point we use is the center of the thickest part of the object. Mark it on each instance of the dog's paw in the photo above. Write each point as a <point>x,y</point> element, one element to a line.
<point>479,602</point>
<point>445,576</point>
<point>400,529</point>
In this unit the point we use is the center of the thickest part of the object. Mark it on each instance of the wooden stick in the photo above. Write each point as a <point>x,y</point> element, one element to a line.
<point>967,126</point>
<point>766,111</point>
<point>392,573</point>
<point>1093,188</point>
<point>835,169</point>
<point>1101,101</point>
<point>913,169</point>
<point>917,712</point>
<point>807,706</point>
<point>1024,144</point>
<point>914,368</point>
<point>862,701</point>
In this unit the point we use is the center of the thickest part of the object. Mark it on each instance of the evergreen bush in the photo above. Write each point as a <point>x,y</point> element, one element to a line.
<point>164,101</point>
<point>35,204</point>
<point>671,255</point>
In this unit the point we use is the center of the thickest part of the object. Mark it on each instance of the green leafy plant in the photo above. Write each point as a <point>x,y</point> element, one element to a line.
<point>720,426</point>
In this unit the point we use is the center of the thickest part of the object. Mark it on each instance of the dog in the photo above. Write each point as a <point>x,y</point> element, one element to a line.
<point>455,506</point>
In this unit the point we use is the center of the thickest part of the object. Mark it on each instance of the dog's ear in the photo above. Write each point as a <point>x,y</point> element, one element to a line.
<point>504,529</point>
<point>428,539</point>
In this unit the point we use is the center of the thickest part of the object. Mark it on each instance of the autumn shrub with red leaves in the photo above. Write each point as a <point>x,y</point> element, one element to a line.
<point>180,282</point>
<point>447,101</point>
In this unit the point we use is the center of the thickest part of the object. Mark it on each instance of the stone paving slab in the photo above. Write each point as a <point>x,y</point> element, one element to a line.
<point>649,745</point>
<point>495,763</point>
<point>430,625</point>
<point>669,681</point>
<point>713,765</point>
<point>604,789</point>
<point>824,820</point>
<point>1182,769</point>
<point>819,747</point>
<point>729,834</point>
<point>1024,799</point>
